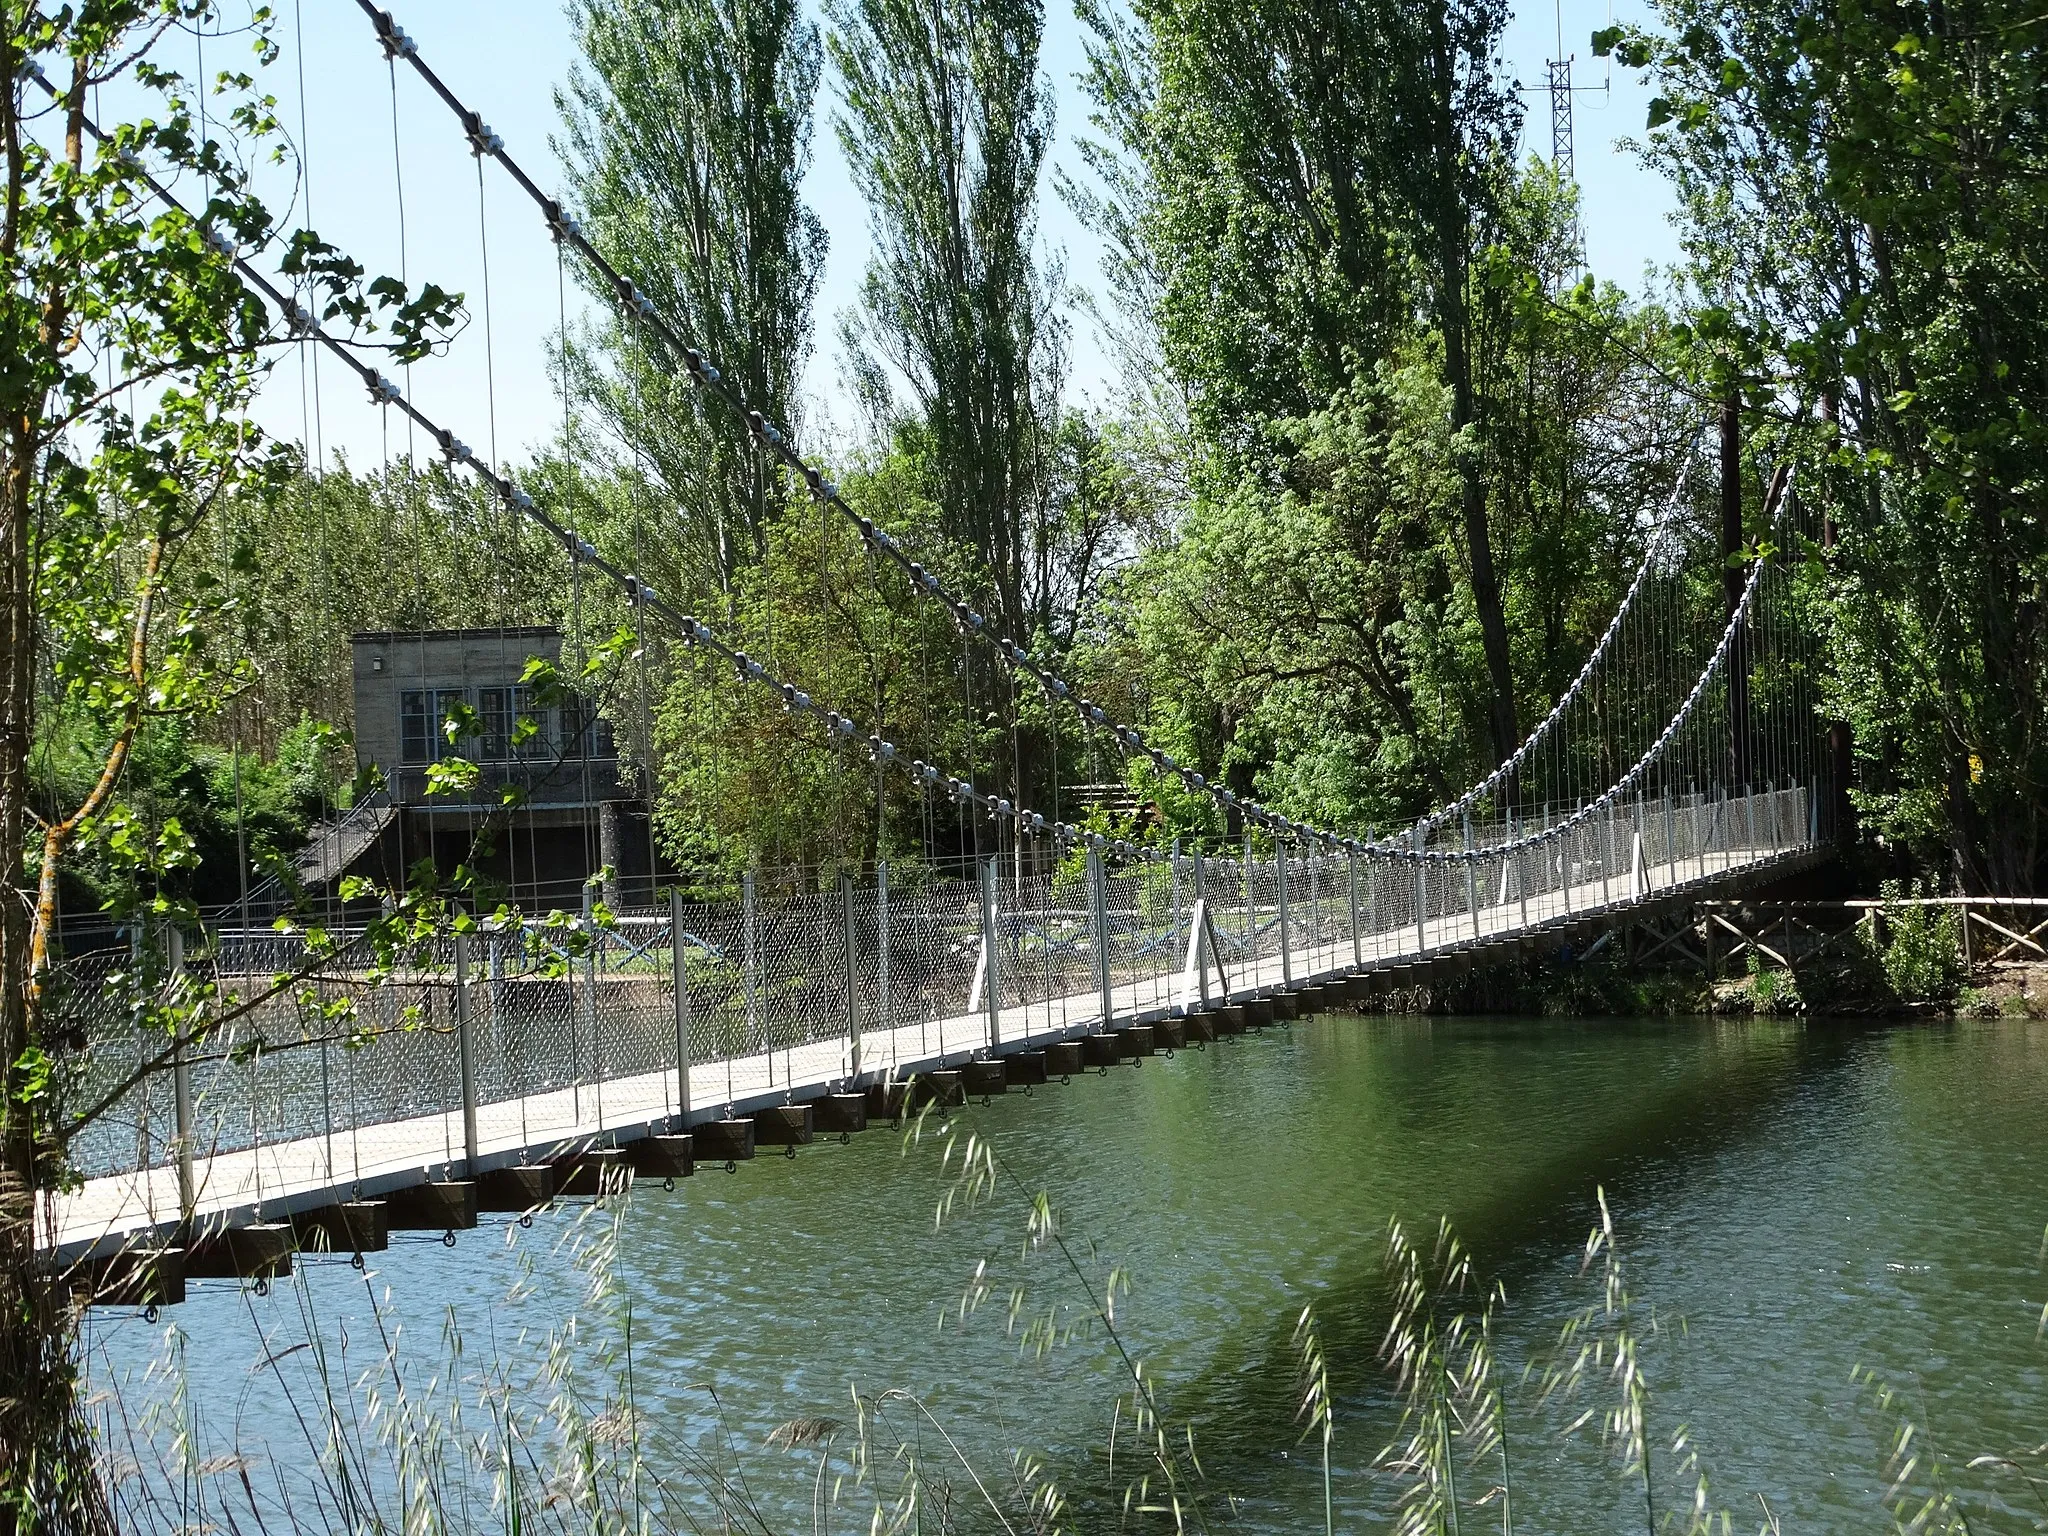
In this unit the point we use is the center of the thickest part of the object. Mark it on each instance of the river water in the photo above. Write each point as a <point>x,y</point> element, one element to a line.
<point>1792,1203</point>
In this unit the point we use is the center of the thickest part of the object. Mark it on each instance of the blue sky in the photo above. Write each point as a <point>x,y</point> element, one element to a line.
<point>507,57</point>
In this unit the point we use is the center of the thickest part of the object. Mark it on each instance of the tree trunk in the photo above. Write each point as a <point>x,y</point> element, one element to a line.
<point>46,1456</point>
<point>1453,236</point>
<point>1486,597</point>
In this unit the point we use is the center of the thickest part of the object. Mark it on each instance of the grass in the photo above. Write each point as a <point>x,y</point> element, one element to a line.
<point>549,1429</point>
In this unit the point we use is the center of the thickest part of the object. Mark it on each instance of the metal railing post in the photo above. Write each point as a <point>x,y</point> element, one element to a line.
<point>1098,915</point>
<point>1372,903</point>
<point>679,970</point>
<point>1251,910</point>
<point>465,1047</point>
<point>1280,884</point>
<point>1607,861</point>
<point>181,1089</point>
<point>750,966</point>
<point>852,958</point>
<point>1357,933</point>
<point>590,1019</point>
<point>1421,892</point>
<point>991,981</point>
<point>887,1004</point>
<point>1471,879</point>
<point>1200,937</point>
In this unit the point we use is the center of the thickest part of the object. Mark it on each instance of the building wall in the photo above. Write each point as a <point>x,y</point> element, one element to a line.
<point>388,665</point>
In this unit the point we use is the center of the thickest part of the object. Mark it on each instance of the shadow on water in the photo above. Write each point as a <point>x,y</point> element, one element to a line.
<point>1679,1096</point>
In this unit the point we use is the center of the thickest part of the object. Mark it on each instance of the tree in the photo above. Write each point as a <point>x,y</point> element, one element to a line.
<point>1462,122</point>
<point>1866,214</point>
<point>688,128</point>
<point>1293,191</point>
<point>945,127</point>
<point>130,348</point>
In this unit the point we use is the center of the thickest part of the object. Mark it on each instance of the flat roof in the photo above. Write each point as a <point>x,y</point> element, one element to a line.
<point>502,631</point>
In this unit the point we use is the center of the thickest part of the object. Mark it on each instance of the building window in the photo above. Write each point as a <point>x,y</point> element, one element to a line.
<point>422,716</point>
<point>585,733</point>
<point>498,710</point>
<point>415,730</point>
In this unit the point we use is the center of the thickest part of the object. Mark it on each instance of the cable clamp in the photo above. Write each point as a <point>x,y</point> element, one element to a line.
<point>519,498</point>
<point>455,450</point>
<point>560,225</point>
<point>481,140</point>
<point>299,321</point>
<point>383,391</point>
<point>31,69</point>
<point>634,302</point>
<point>393,37</point>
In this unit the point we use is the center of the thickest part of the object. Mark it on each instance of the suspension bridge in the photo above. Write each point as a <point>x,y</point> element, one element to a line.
<point>330,1094</point>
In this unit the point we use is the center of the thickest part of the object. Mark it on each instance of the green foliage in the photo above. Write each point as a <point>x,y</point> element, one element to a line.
<point>130,348</point>
<point>689,125</point>
<point>1864,212</point>
<point>1306,630</point>
<point>945,130</point>
<point>1773,989</point>
<point>746,778</point>
<point>1921,949</point>
<point>324,555</point>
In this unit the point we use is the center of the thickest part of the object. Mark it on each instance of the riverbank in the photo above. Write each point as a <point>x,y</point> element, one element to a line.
<point>1610,985</point>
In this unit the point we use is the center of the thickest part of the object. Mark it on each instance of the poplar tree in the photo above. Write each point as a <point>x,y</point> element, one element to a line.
<point>945,126</point>
<point>688,135</point>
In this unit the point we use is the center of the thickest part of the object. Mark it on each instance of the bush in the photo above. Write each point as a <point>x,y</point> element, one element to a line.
<point>1922,951</point>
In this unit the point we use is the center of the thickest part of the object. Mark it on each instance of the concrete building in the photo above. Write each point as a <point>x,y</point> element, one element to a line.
<point>422,697</point>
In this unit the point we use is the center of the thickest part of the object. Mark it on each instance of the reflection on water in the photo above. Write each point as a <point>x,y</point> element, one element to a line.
<point>1793,1202</point>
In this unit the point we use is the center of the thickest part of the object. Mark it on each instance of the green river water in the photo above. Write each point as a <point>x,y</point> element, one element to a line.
<point>1792,1202</point>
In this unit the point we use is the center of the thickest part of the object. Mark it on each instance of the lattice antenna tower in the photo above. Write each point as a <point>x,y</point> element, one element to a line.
<point>1563,153</point>
<point>1561,118</point>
